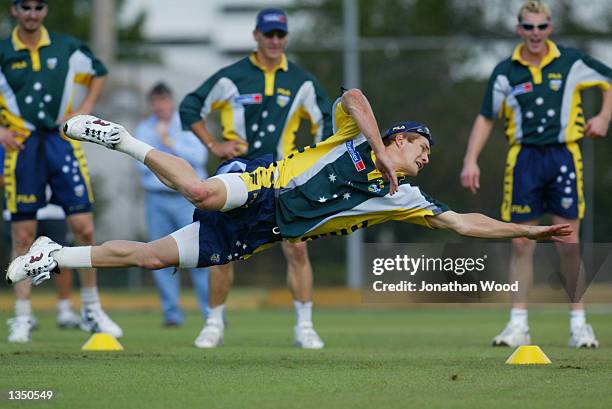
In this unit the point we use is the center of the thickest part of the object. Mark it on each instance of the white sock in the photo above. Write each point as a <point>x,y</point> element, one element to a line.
<point>519,316</point>
<point>577,319</point>
<point>303,311</point>
<point>23,308</point>
<point>73,257</point>
<point>64,305</point>
<point>136,148</point>
<point>215,316</point>
<point>90,297</point>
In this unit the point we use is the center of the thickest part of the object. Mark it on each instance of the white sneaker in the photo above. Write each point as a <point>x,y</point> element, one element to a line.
<point>20,329</point>
<point>211,336</point>
<point>583,337</point>
<point>513,335</point>
<point>37,263</point>
<point>94,319</point>
<point>306,337</point>
<point>89,128</point>
<point>68,319</point>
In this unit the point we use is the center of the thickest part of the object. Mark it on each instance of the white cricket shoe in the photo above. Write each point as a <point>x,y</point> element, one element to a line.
<point>306,337</point>
<point>37,263</point>
<point>211,336</point>
<point>94,319</point>
<point>68,319</point>
<point>583,337</point>
<point>20,329</point>
<point>89,128</point>
<point>513,335</point>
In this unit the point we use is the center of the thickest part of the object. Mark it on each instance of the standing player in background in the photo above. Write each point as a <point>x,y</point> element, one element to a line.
<point>537,90</point>
<point>43,77</point>
<point>168,210</point>
<point>51,223</point>
<point>262,99</point>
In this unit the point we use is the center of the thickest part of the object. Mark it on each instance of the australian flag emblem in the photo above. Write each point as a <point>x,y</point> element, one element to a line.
<point>523,88</point>
<point>248,99</point>
<point>355,156</point>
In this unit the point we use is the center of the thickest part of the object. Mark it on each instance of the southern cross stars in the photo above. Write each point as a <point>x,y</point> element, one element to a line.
<point>332,177</point>
<point>322,199</point>
<point>346,196</point>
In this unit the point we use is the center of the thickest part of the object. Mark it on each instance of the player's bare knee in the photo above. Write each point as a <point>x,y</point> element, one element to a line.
<point>83,233</point>
<point>568,250</point>
<point>201,194</point>
<point>523,247</point>
<point>23,239</point>
<point>297,254</point>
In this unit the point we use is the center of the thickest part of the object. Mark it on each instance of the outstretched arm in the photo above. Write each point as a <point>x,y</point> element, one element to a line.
<point>479,225</point>
<point>357,105</point>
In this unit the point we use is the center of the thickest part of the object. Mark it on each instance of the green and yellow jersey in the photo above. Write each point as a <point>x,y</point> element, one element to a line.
<point>39,86</point>
<point>262,107</point>
<point>542,105</point>
<point>334,188</point>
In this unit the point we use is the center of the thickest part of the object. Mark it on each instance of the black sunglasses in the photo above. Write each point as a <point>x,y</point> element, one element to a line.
<point>275,33</point>
<point>530,27</point>
<point>27,9</point>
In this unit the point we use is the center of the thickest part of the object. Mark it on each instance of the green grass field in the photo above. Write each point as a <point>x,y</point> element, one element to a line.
<point>373,359</point>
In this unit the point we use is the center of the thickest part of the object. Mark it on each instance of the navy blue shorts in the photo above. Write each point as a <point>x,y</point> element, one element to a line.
<point>238,233</point>
<point>543,179</point>
<point>47,159</point>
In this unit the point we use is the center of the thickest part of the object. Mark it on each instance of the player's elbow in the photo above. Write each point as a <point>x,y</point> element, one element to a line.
<point>352,97</point>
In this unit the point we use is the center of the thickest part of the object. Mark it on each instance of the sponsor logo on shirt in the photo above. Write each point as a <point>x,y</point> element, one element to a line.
<point>355,156</point>
<point>248,99</point>
<point>523,88</point>
<point>19,65</point>
<point>52,63</point>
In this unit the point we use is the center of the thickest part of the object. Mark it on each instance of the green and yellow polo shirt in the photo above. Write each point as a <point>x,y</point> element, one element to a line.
<point>39,86</point>
<point>542,105</point>
<point>260,106</point>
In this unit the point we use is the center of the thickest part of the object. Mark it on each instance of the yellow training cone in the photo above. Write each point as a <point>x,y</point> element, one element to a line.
<point>102,342</point>
<point>528,355</point>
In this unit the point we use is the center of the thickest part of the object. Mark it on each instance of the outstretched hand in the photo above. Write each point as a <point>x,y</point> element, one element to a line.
<point>556,232</point>
<point>386,168</point>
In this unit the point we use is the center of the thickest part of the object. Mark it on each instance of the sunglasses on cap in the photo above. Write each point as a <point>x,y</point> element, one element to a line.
<point>275,33</point>
<point>530,27</point>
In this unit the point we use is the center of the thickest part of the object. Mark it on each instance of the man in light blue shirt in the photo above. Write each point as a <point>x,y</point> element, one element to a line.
<point>167,210</point>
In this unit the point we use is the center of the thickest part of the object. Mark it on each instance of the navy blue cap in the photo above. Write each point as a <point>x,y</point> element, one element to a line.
<point>410,126</point>
<point>270,20</point>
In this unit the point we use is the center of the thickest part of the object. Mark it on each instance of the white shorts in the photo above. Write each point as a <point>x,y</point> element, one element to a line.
<point>237,192</point>
<point>188,243</point>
